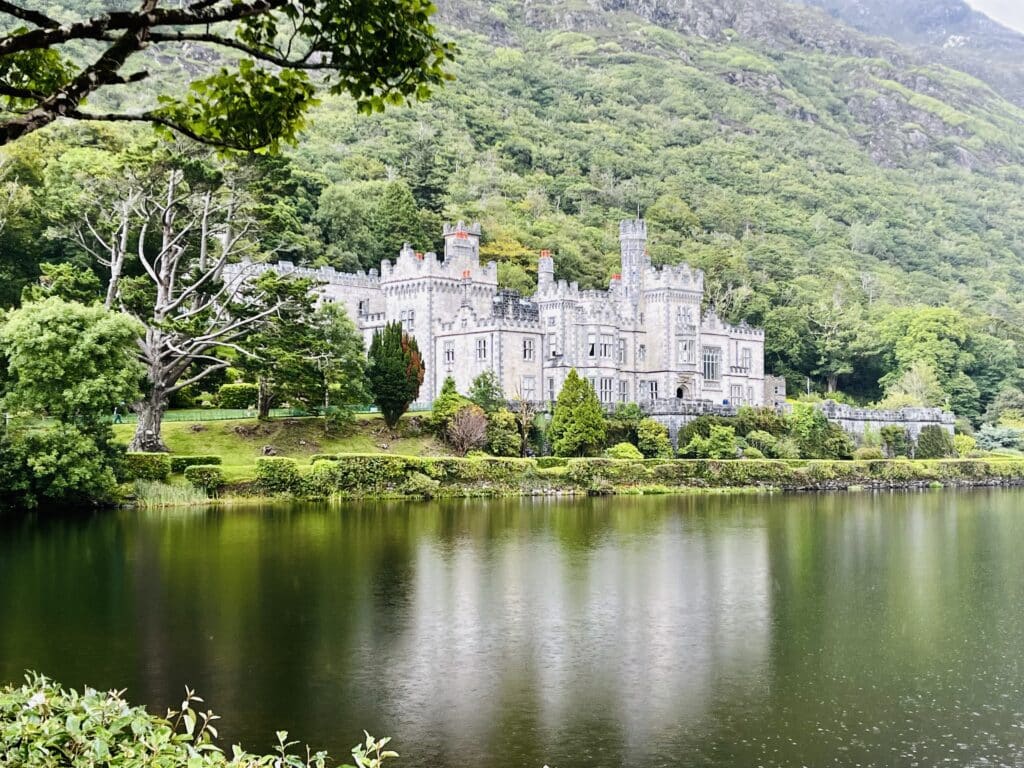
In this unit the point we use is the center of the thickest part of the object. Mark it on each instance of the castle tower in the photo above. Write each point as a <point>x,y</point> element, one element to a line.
<point>462,242</point>
<point>545,270</point>
<point>633,252</point>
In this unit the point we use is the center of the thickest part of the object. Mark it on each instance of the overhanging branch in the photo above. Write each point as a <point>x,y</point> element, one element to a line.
<point>26,14</point>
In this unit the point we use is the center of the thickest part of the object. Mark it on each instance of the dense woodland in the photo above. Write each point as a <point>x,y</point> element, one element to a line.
<point>865,209</point>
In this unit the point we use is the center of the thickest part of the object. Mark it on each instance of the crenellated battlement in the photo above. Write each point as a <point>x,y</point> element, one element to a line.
<point>633,228</point>
<point>461,227</point>
<point>412,265</point>
<point>744,330</point>
<point>562,290</point>
<point>673,277</point>
<point>326,275</point>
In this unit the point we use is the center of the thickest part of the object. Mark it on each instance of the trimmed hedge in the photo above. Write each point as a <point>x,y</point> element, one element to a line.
<point>276,474</point>
<point>147,466</point>
<point>207,477</point>
<point>180,463</point>
<point>359,475</point>
<point>323,457</point>
<point>237,396</point>
<point>545,462</point>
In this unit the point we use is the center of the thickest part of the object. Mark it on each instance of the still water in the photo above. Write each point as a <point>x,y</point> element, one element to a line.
<point>859,629</point>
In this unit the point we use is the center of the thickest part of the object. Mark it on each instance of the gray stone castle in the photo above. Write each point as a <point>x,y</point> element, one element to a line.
<point>644,339</point>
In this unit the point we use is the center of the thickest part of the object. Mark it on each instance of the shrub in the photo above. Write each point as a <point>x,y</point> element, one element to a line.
<point>147,466</point>
<point>964,445</point>
<point>418,484</point>
<point>701,426</point>
<point>276,474</point>
<point>208,477</point>
<point>485,391</point>
<point>621,427</point>
<point>577,426</point>
<point>468,429</point>
<point>44,724</point>
<point>750,452</point>
<point>503,437</point>
<point>719,444</point>
<point>992,438</point>
<point>59,465</point>
<point>868,453</point>
<point>652,439</point>
<point>339,421</point>
<point>624,451</point>
<point>816,437</point>
<point>180,463</point>
<point>447,403</point>
<point>237,396</point>
<point>358,475</point>
<point>896,441</point>
<point>787,448</point>
<point>763,441</point>
<point>322,457</point>
<point>766,420</point>
<point>934,443</point>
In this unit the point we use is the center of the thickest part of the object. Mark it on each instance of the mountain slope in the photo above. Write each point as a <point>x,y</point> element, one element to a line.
<point>949,31</point>
<point>823,178</point>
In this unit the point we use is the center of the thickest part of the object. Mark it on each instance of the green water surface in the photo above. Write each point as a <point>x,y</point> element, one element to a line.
<point>849,630</point>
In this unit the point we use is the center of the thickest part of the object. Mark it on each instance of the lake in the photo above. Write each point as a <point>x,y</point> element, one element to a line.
<point>849,629</point>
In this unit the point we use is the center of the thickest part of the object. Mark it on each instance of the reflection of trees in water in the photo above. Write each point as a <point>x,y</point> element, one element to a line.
<point>601,630</point>
<point>733,630</point>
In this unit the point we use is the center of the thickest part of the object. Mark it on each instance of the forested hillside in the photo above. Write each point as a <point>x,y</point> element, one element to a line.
<point>860,201</point>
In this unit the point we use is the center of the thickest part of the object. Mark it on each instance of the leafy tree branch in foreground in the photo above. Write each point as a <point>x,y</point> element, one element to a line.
<point>377,51</point>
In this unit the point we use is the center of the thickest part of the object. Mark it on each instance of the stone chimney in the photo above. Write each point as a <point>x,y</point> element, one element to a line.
<point>545,270</point>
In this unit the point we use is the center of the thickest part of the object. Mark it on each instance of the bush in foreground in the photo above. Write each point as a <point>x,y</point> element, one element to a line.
<point>147,466</point>
<point>278,474</point>
<point>43,725</point>
<point>180,463</point>
<point>206,477</point>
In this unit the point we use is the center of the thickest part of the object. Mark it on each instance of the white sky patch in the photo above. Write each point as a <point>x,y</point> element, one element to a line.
<point>1007,12</point>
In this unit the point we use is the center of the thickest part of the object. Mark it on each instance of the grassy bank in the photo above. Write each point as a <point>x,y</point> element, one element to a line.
<point>370,461</point>
<point>239,442</point>
<point>352,476</point>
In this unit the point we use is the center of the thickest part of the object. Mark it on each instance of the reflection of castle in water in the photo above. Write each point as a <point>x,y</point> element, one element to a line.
<point>646,620</point>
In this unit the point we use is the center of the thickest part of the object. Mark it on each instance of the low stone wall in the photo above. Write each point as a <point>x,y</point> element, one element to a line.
<point>857,421</point>
<point>676,414</point>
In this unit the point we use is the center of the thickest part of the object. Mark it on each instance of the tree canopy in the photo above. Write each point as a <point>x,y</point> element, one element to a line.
<point>275,54</point>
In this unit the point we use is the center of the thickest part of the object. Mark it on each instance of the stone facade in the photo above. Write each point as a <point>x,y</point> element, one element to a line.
<point>644,339</point>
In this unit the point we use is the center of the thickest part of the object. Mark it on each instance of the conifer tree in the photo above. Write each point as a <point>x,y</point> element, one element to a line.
<point>486,391</point>
<point>397,221</point>
<point>447,403</point>
<point>577,426</point>
<point>395,371</point>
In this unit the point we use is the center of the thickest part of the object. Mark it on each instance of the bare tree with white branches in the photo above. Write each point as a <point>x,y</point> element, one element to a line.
<point>181,238</point>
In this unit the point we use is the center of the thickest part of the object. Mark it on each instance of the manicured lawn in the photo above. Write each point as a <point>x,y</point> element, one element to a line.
<point>240,442</point>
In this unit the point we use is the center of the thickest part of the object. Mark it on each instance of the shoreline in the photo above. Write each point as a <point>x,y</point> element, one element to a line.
<point>384,477</point>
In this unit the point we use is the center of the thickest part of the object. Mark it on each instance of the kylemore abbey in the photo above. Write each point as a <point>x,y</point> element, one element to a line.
<point>645,339</point>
